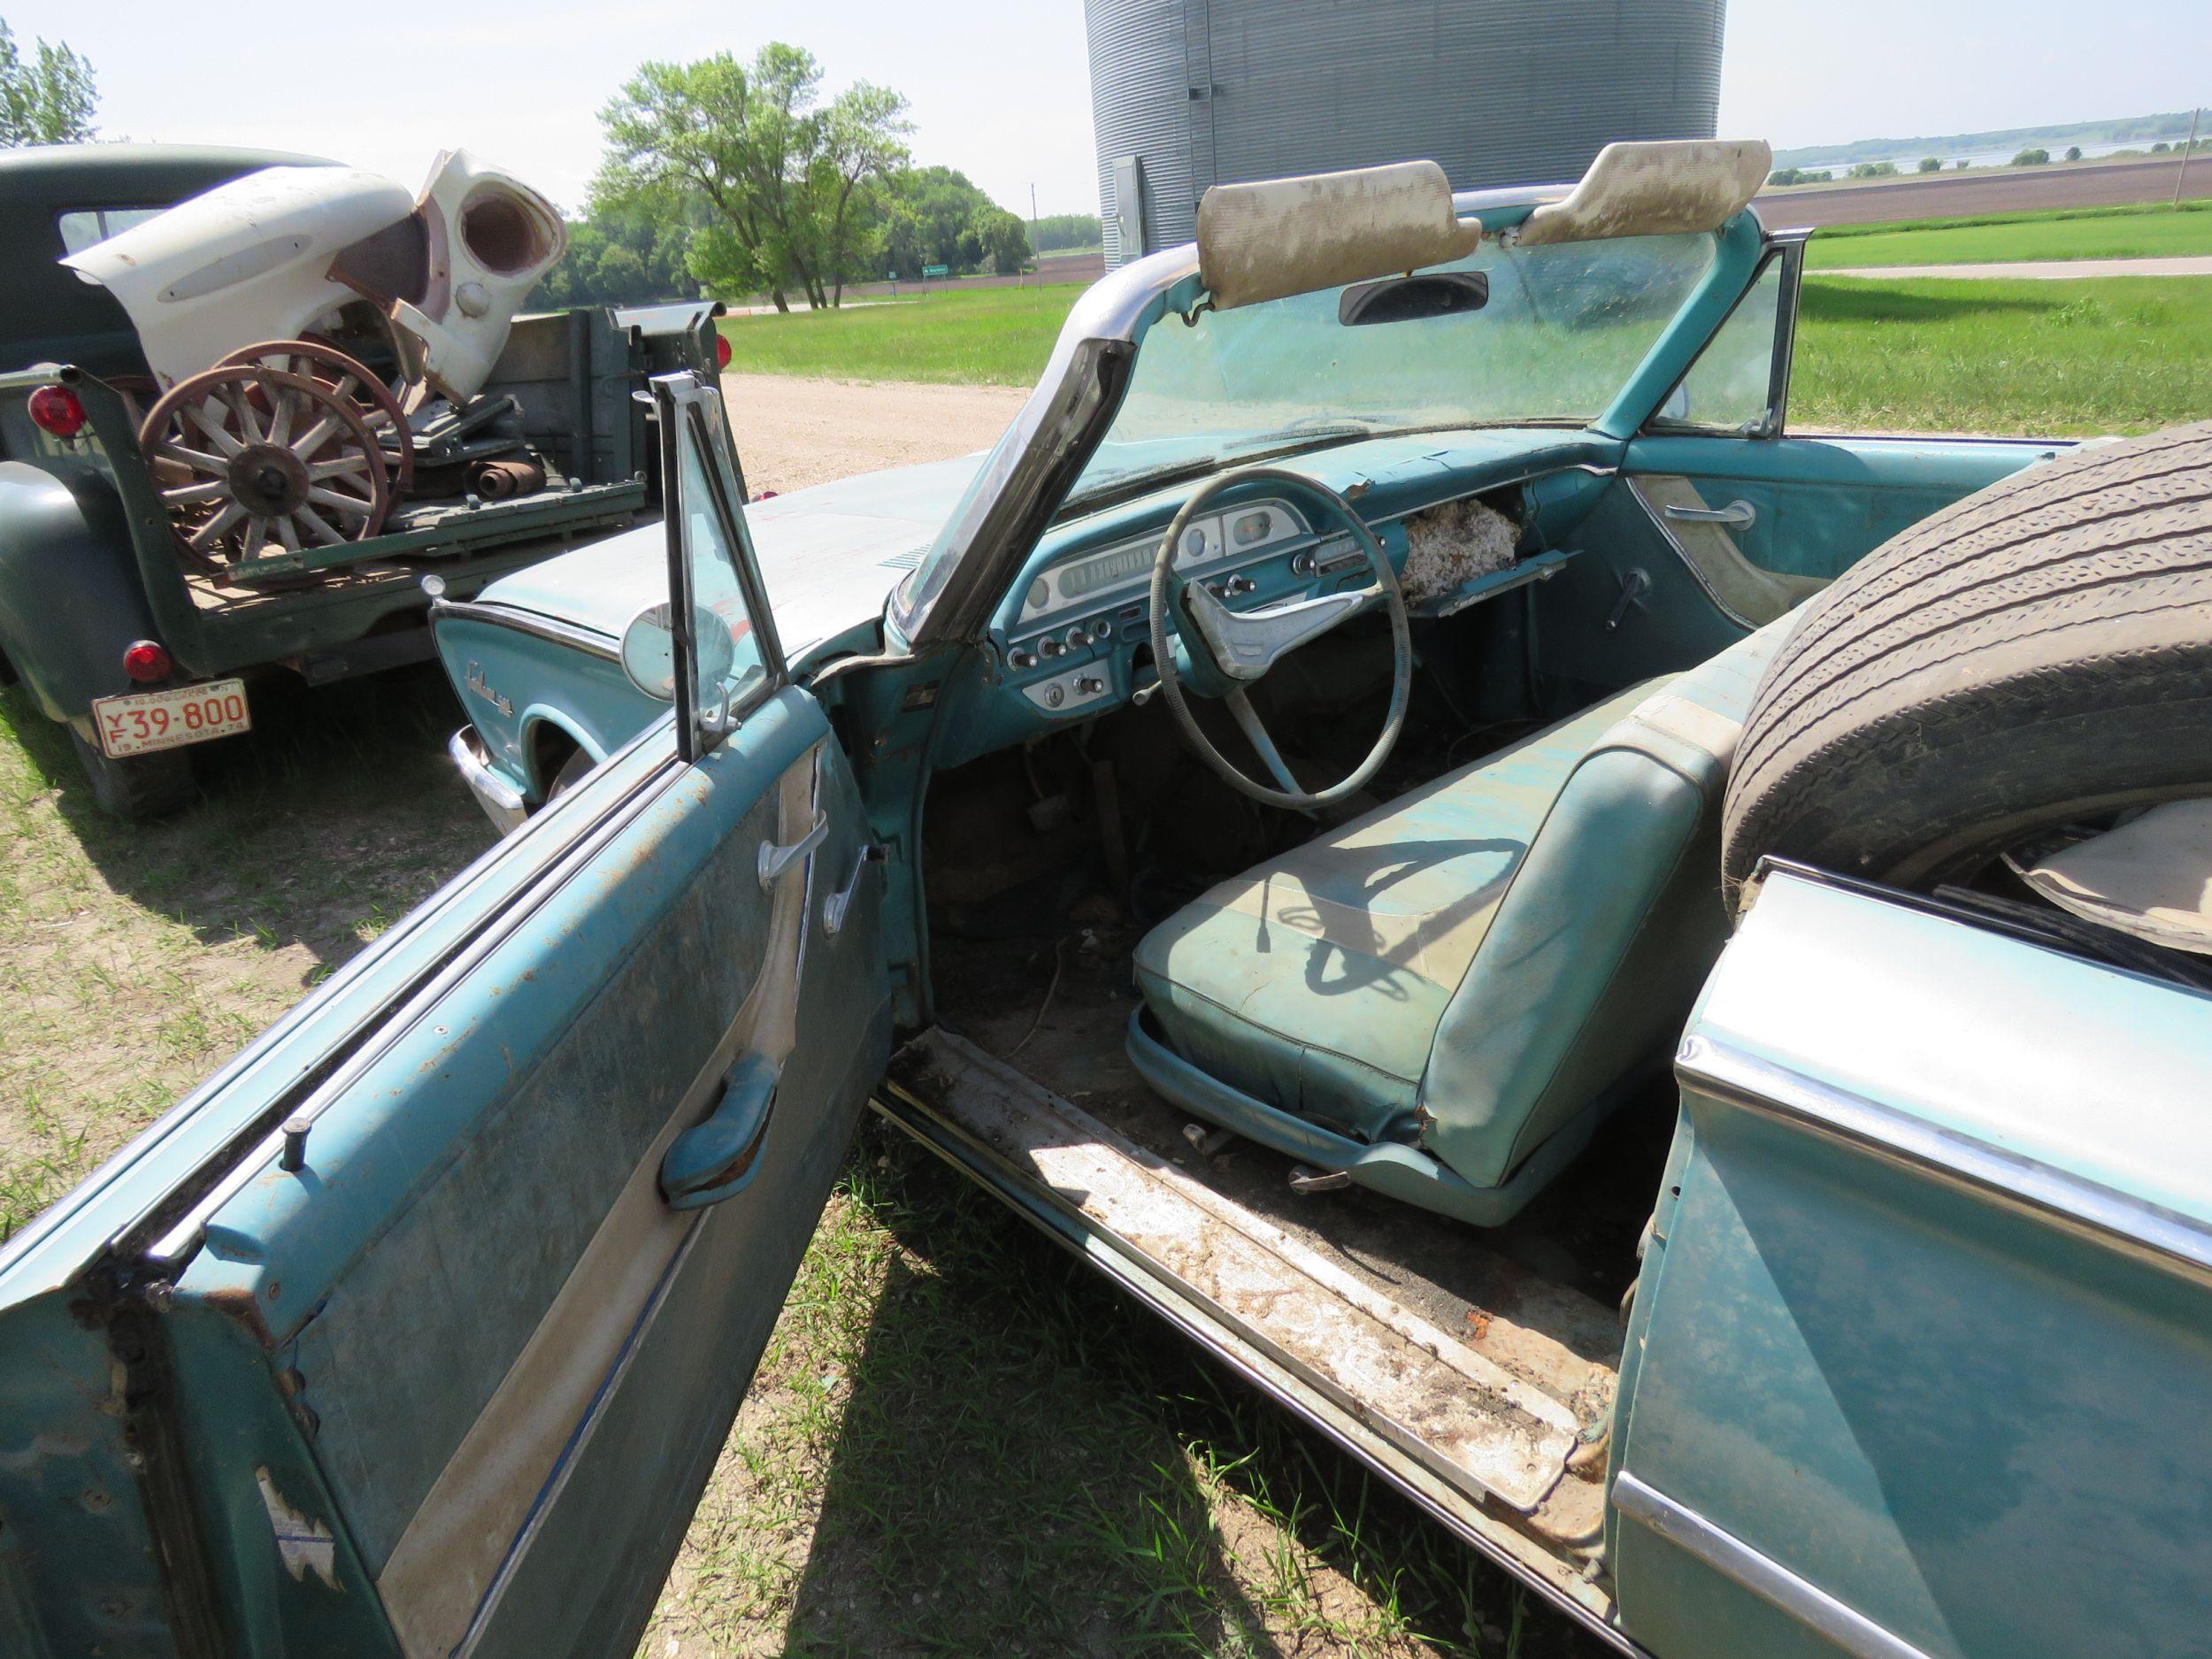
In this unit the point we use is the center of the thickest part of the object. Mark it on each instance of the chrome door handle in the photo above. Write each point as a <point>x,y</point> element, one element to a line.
<point>775,859</point>
<point>836,906</point>
<point>1740,515</point>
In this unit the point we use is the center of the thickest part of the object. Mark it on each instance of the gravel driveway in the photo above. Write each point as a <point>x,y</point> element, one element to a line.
<point>794,433</point>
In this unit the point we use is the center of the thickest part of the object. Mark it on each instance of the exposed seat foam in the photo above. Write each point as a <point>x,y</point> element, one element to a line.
<point>1467,974</point>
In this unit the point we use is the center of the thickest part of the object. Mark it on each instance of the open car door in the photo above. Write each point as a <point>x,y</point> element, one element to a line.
<point>418,1330</point>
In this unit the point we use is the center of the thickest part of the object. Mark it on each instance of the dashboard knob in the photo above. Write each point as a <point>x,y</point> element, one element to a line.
<point>1021,660</point>
<point>1302,564</point>
<point>1090,685</point>
<point>1050,647</point>
<point>1103,629</point>
<point>1078,638</point>
<point>1237,585</point>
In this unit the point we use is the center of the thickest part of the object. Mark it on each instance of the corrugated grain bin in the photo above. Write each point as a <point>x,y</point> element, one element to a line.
<point>1189,93</point>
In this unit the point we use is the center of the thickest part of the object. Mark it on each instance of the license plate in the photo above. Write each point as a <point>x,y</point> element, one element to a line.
<point>153,720</point>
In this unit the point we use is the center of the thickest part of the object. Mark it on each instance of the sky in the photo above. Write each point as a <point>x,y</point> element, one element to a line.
<point>1001,89</point>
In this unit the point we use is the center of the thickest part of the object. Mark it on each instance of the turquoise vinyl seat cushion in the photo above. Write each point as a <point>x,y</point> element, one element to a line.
<point>1469,968</point>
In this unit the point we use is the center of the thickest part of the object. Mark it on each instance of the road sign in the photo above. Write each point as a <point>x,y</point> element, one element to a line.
<point>936,270</point>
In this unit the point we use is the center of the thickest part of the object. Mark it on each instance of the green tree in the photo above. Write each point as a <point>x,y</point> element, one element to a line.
<point>48,98</point>
<point>1005,238</point>
<point>1931,164</point>
<point>1056,231</point>
<point>678,131</point>
<point>2073,152</point>
<point>786,182</point>
<point>2031,158</point>
<point>862,141</point>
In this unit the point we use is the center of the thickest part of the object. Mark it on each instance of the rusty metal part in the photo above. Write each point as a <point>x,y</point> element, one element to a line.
<point>322,361</point>
<point>245,454</point>
<point>497,481</point>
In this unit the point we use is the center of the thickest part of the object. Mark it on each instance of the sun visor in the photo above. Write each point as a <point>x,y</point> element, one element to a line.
<point>1280,236</point>
<point>1654,190</point>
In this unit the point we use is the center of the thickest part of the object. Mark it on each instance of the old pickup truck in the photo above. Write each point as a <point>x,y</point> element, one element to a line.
<point>141,651</point>
<point>1447,726</point>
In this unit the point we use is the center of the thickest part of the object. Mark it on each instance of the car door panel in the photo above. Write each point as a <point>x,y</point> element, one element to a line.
<point>440,1369</point>
<point>453,1351</point>
<point>1924,1305</point>
<point>1818,505</point>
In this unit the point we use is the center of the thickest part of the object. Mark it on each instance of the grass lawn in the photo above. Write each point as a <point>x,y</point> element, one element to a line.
<point>2112,233</point>
<point>133,959</point>
<point>2122,354</point>
<point>980,337</point>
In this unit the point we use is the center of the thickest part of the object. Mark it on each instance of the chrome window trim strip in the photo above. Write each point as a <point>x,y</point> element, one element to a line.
<point>589,641</point>
<point>2148,1232</point>
<point>1764,1577</point>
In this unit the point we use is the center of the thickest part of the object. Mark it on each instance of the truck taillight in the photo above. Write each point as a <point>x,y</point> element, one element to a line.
<point>721,350</point>
<point>146,662</point>
<point>58,410</point>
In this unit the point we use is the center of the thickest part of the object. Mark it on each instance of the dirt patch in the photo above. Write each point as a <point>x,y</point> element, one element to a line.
<point>792,433</point>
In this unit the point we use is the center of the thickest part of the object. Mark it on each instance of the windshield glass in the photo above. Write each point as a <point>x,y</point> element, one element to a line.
<point>1563,327</point>
<point>1561,331</point>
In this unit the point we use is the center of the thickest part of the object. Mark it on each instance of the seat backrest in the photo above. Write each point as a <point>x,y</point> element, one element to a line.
<point>1597,949</point>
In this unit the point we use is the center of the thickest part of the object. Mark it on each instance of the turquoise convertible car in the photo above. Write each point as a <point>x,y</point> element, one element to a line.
<point>1643,972</point>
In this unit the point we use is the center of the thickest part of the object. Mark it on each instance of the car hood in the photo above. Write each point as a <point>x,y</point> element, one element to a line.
<point>829,555</point>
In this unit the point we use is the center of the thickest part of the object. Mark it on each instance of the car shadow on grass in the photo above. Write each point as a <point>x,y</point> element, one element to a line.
<point>329,820</point>
<point>1027,1463</point>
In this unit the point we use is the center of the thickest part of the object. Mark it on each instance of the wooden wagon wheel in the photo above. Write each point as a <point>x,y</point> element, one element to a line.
<point>245,455</point>
<point>320,360</point>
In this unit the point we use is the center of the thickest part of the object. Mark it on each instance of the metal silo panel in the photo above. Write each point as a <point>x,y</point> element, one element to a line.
<point>1139,99</point>
<point>1497,91</point>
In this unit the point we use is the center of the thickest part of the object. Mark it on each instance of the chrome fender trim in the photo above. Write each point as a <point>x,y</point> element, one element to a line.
<point>1811,1606</point>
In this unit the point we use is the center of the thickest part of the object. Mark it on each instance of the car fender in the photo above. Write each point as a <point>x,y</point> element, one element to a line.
<point>71,600</point>
<point>538,716</point>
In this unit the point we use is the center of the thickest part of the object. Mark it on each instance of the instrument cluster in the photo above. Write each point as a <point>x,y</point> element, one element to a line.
<point>1061,652</point>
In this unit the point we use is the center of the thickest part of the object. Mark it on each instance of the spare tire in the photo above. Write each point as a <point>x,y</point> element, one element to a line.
<point>2039,653</point>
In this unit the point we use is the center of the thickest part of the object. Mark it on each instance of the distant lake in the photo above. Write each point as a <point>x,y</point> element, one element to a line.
<point>1907,160</point>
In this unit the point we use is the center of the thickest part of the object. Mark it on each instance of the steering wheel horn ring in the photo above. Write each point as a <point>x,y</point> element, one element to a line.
<point>1240,647</point>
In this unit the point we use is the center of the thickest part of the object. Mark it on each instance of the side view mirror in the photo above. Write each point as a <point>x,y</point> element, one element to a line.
<point>648,648</point>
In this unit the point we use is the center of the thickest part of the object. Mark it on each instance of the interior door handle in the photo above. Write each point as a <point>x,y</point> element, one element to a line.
<point>1740,515</point>
<point>836,906</point>
<point>775,857</point>
<point>716,1158</point>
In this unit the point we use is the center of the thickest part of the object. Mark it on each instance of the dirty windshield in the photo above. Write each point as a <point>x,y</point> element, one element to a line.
<point>1563,327</point>
<point>1561,330</point>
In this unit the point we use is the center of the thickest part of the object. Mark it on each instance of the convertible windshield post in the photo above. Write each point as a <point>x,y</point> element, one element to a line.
<point>1740,247</point>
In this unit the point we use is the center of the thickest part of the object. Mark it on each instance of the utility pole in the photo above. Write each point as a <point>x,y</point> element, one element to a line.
<point>2181,172</point>
<point>1037,254</point>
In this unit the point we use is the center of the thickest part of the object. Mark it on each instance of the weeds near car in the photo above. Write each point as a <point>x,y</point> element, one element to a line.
<point>135,958</point>
<point>961,1442</point>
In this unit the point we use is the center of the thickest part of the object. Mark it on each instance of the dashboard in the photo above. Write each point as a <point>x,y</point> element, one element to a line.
<point>1062,641</point>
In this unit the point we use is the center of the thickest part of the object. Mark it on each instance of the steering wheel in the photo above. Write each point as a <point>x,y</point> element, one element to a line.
<point>1229,650</point>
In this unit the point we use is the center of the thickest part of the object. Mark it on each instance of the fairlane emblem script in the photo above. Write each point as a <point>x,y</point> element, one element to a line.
<point>477,685</point>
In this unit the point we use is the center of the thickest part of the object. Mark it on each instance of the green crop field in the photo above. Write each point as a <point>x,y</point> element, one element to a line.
<point>2106,233</point>
<point>2123,354</point>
